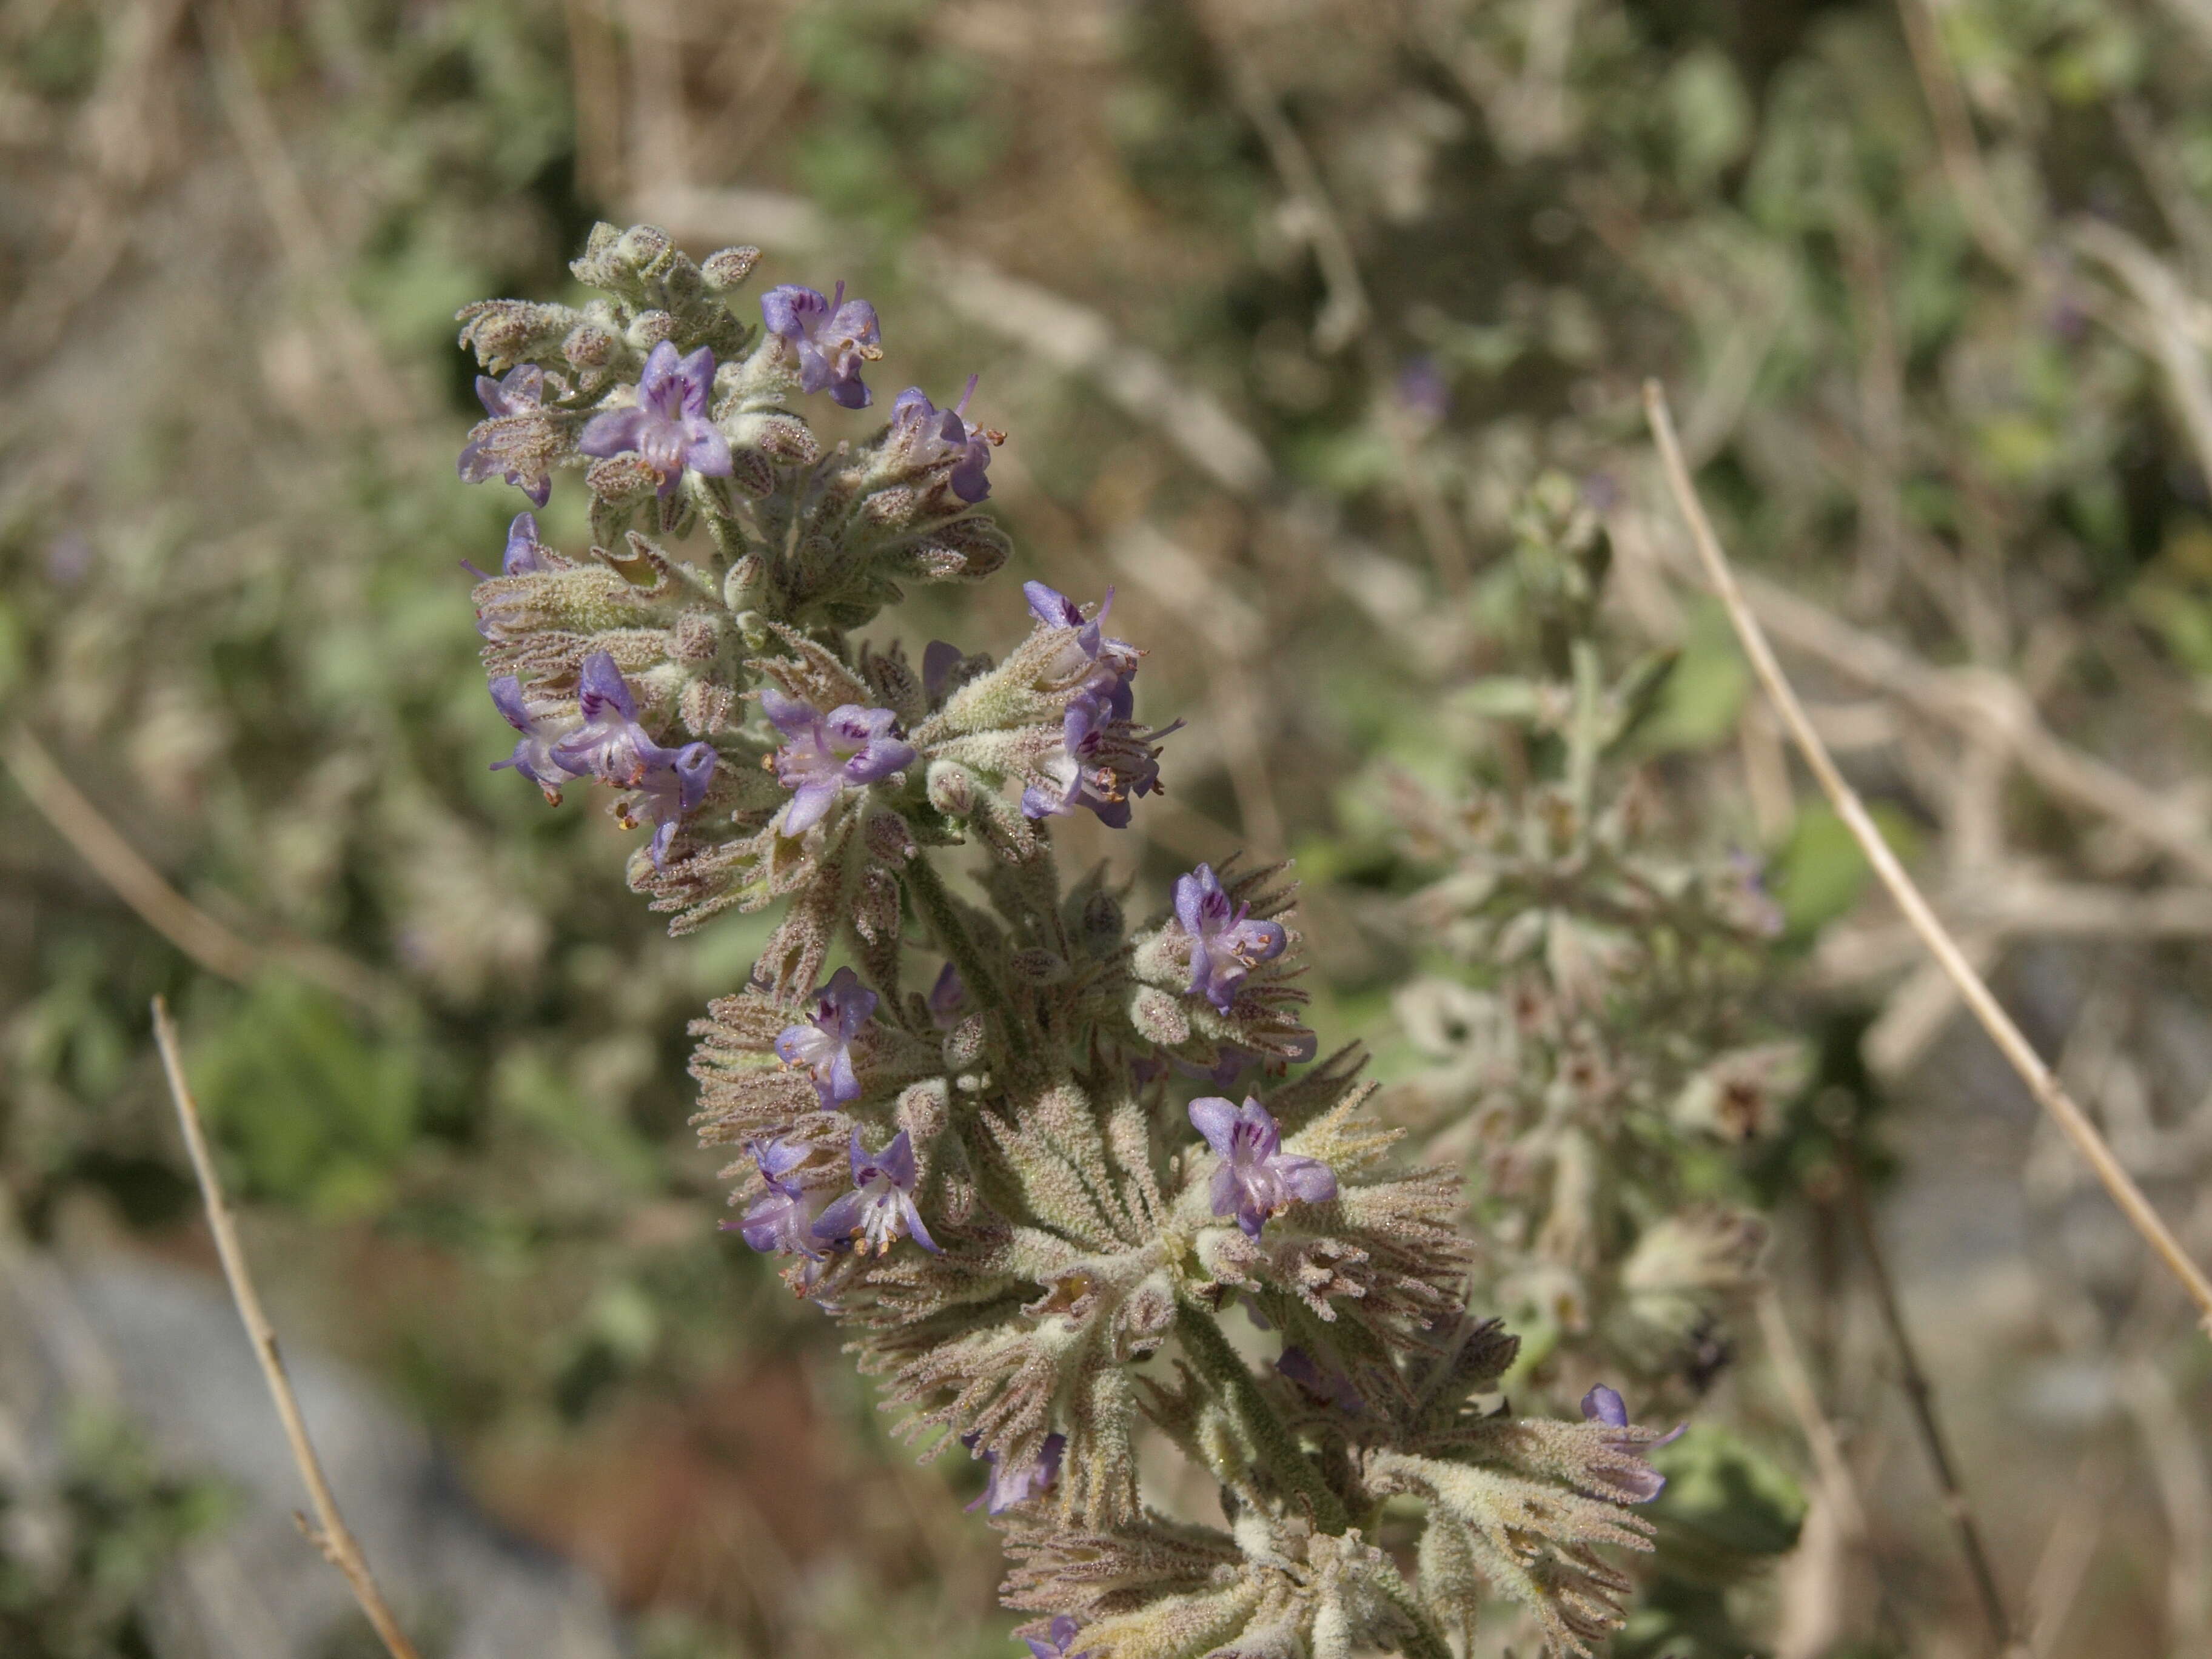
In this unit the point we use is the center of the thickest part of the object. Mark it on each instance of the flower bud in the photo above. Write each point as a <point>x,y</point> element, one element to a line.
<point>964,1044</point>
<point>890,840</point>
<point>1038,967</point>
<point>588,348</point>
<point>953,789</point>
<point>622,480</point>
<point>697,637</point>
<point>728,267</point>
<point>743,587</point>
<point>1102,920</point>
<point>1158,1017</point>
<point>648,329</point>
<point>643,248</point>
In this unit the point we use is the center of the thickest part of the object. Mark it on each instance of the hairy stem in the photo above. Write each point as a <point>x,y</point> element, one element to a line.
<point>936,906</point>
<point>1424,1642</point>
<point>1280,1452</point>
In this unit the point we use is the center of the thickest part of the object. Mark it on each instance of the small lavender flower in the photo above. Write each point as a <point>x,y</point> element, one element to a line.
<point>525,554</point>
<point>1092,663</point>
<point>609,745</point>
<point>1423,390</point>
<point>1324,1383</point>
<point>947,998</point>
<point>485,457</point>
<point>1103,761</point>
<point>1603,1405</point>
<point>781,1220</point>
<point>821,1046</point>
<point>670,792</point>
<point>832,338</point>
<point>881,1203</point>
<point>1009,1488</point>
<point>938,659</point>
<point>928,436</point>
<point>1225,943</point>
<point>534,753</point>
<point>668,424</point>
<point>849,747</point>
<point>1055,1644</point>
<point>1257,1179</point>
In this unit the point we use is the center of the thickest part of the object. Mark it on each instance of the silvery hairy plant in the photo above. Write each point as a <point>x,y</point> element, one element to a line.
<point>1597,1050</point>
<point>996,1183</point>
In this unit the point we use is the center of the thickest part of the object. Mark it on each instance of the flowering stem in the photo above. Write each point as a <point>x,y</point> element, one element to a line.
<point>1280,1452</point>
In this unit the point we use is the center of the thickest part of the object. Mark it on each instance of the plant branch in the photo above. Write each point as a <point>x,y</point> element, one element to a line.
<point>1840,1491</point>
<point>1933,1440</point>
<point>1278,1452</point>
<point>2041,1082</point>
<point>168,912</point>
<point>936,908</point>
<point>329,1532</point>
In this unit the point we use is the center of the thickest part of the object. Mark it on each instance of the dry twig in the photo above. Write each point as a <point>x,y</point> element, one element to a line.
<point>1933,1441</point>
<point>161,907</point>
<point>2049,1092</point>
<point>291,213</point>
<point>329,1532</point>
<point>1838,1489</point>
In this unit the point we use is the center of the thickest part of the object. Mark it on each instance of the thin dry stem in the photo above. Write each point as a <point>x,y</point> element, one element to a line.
<point>1837,1486</point>
<point>1933,1441</point>
<point>1954,138</point>
<point>1348,315</point>
<point>1978,703</point>
<point>306,246</point>
<point>2011,1042</point>
<point>168,912</point>
<point>329,1532</point>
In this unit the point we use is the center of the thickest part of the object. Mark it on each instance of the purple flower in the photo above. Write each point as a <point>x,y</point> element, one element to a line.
<point>834,338</point>
<point>946,998</point>
<point>1257,1178</point>
<point>609,745</point>
<point>1103,761</point>
<point>1643,1483</point>
<point>938,659</point>
<point>822,1046</point>
<point>668,424</point>
<point>849,746</point>
<point>1225,943</point>
<point>1424,392</point>
<point>486,456</point>
<point>781,1220</point>
<point>534,754</point>
<point>670,792</point>
<point>928,436</point>
<point>1092,663</point>
<point>525,554</point>
<point>1230,1063</point>
<point>881,1203</point>
<point>1055,1645</point>
<point>1008,1488</point>
<point>1324,1383</point>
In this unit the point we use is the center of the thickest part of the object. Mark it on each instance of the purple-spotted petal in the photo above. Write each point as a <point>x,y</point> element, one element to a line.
<point>1216,1119</point>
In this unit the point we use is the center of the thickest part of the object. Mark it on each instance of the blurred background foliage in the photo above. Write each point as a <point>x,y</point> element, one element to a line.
<point>1286,303</point>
